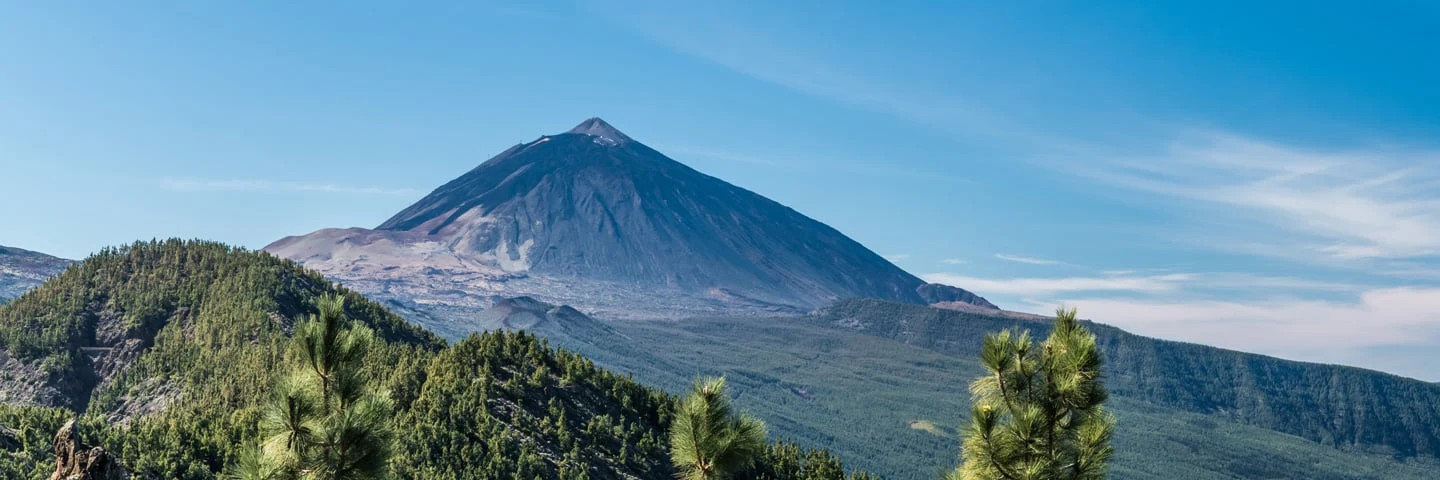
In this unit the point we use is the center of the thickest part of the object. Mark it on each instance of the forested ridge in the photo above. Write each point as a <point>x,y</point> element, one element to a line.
<point>1335,405</point>
<point>165,350</point>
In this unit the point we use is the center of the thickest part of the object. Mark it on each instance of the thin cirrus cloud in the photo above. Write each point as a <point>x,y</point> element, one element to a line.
<point>953,261</point>
<point>1127,282</point>
<point>1031,287</point>
<point>251,185</point>
<point>1329,205</point>
<point>1028,260</point>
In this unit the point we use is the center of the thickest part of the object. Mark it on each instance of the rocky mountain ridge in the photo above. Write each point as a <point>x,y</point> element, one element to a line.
<point>22,270</point>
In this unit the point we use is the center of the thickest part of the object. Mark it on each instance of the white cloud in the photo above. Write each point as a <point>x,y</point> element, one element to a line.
<point>1028,260</point>
<point>1128,282</point>
<point>953,261</point>
<point>1278,326</point>
<point>1338,205</point>
<point>1050,286</point>
<point>897,257</point>
<point>247,185</point>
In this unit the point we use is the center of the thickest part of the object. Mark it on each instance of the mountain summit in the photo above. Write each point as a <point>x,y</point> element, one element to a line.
<point>596,127</point>
<point>593,213</point>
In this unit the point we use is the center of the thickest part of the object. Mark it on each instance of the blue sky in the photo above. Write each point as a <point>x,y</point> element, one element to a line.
<point>1260,177</point>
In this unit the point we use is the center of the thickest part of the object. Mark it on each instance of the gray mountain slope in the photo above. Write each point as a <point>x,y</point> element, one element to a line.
<point>22,270</point>
<point>594,206</point>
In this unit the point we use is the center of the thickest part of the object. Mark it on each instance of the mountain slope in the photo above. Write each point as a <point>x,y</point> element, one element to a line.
<point>74,341</point>
<point>894,408</point>
<point>166,349</point>
<point>21,270</point>
<point>1334,405</point>
<point>593,206</point>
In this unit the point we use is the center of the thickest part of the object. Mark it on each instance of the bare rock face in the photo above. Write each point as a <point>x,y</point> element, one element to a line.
<point>75,461</point>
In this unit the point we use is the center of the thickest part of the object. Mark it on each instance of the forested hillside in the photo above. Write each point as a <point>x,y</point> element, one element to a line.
<point>1334,405</point>
<point>165,350</point>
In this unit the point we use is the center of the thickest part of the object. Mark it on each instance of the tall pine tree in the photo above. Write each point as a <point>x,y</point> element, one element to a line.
<point>324,422</point>
<point>709,440</point>
<point>1038,414</point>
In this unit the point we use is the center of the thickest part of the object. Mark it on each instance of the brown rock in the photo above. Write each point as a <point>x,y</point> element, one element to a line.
<point>75,461</point>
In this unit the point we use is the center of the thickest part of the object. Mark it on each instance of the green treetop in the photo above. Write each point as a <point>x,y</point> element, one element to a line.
<point>1038,414</point>
<point>709,440</point>
<point>324,422</point>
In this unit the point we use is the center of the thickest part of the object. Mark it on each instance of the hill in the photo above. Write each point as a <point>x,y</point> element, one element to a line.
<point>21,270</point>
<point>1333,405</point>
<point>164,349</point>
<point>894,408</point>
<point>593,214</point>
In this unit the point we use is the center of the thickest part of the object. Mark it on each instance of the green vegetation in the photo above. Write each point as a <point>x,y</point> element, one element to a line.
<point>1038,413</point>
<point>858,395</point>
<point>1332,405</point>
<point>709,440</point>
<point>167,352</point>
<point>323,421</point>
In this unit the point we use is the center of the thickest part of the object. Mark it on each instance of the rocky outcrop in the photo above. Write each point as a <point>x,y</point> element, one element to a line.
<point>76,461</point>
<point>9,439</point>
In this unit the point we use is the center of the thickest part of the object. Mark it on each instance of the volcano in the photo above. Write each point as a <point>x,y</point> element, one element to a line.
<point>596,212</point>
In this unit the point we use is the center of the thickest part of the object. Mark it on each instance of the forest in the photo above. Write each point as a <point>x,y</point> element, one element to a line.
<point>166,352</point>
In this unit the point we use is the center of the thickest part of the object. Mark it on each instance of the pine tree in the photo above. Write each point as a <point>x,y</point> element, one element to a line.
<point>1038,415</point>
<point>709,440</point>
<point>323,421</point>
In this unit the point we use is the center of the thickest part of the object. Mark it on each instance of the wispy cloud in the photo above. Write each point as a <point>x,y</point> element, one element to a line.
<point>1033,287</point>
<point>250,185</point>
<point>1127,281</point>
<point>1028,260</point>
<point>1328,204</point>
<point>953,261</point>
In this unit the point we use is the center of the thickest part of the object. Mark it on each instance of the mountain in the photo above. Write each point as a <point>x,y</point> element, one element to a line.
<point>886,386</point>
<point>21,270</point>
<point>1335,405</point>
<point>593,218</point>
<point>165,349</point>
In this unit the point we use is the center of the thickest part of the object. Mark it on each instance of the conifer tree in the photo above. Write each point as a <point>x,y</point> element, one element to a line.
<point>1038,414</point>
<point>323,421</point>
<point>709,440</point>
